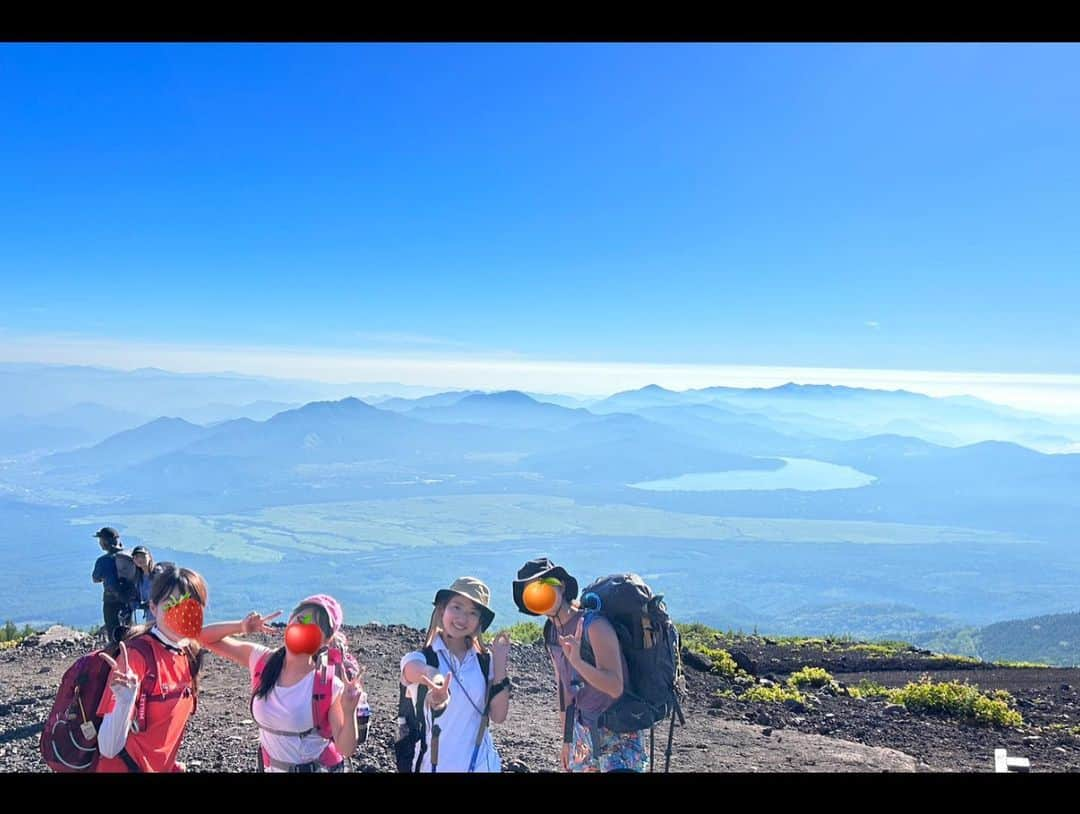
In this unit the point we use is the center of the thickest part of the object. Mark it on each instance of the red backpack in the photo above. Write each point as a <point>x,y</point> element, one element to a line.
<point>321,700</point>
<point>69,736</point>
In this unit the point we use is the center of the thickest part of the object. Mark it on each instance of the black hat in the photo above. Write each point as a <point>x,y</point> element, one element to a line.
<point>536,569</point>
<point>140,549</point>
<point>109,536</point>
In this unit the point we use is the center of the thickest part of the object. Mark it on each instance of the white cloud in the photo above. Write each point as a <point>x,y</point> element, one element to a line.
<point>407,339</point>
<point>874,325</point>
<point>1046,392</point>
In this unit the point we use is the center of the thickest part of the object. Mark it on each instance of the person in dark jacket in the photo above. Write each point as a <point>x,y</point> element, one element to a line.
<point>116,596</point>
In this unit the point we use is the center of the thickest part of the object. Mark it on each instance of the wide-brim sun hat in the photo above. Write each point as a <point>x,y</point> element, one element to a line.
<point>473,589</point>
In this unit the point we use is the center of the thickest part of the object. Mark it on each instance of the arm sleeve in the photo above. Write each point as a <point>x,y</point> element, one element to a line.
<point>118,706</point>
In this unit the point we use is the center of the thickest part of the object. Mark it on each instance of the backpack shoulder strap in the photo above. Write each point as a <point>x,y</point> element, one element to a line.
<point>142,646</point>
<point>431,658</point>
<point>587,652</point>
<point>485,669</point>
<point>322,696</point>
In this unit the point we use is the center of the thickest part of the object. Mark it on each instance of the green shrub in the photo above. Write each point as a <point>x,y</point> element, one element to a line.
<point>810,677</point>
<point>958,700</point>
<point>880,649</point>
<point>772,695</point>
<point>10,635</point>
<point>868,689</point>
<point>524,632</point>
<point>705,641</point>
<point>955,659</point>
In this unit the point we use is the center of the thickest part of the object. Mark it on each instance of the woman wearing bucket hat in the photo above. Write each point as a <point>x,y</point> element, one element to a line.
<point>307,696</point>
<point>459,684</point>
<point>586,687</point>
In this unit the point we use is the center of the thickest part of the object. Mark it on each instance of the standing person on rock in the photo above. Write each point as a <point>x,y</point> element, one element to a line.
<point>456,685</point>
<point>118,588</point>
<point>153,686</point>
<point>587,686</point>
<point>308,696</point>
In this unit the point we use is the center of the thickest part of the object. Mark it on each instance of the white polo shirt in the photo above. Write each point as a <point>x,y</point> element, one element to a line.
<point>460,722</point>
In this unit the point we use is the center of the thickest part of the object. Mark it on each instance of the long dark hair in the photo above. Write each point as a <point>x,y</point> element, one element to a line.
<point>272,671</point>
<point>169,578</point>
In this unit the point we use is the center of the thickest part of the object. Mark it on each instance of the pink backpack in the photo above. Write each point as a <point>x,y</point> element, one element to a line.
<point>321,700</point>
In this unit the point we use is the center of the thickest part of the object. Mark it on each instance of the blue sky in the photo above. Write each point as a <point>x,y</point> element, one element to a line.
<point>829,206</point>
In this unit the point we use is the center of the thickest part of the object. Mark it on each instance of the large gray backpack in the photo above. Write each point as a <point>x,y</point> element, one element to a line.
<point>650,644</point>
<point>127,574</point>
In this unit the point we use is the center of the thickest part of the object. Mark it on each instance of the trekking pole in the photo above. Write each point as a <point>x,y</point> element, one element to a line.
<point>671,732</point>
<point>479,740</point>
<point>484,720</point>
<point>435,730</point>
<point>652,748</point>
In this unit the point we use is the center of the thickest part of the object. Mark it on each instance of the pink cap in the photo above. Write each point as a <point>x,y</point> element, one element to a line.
<point>332,608</point>
<point>338,644</point>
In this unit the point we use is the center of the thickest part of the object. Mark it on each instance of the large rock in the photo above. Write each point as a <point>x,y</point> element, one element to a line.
<point>743,661</point>
<point>703,664</point>
<point>57,634</point>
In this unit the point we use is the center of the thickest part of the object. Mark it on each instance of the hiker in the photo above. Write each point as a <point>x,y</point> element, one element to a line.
<point>307,696</point>
<point>455,685</point>
<point>153,685</point>
<point>144,561</point>
<point>589,683</point>
<point>115,569</point>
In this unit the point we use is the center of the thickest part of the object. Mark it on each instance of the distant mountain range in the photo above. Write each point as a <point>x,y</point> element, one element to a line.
<point>477,441</point>
<point>1053,639</point>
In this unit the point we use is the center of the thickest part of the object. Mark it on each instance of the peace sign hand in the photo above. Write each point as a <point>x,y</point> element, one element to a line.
<point>571,644</point>
<point>121,674</point>
<point>354,691</point>
<point>254,623</point>
<point>438,689</point>
<point>500,648</point>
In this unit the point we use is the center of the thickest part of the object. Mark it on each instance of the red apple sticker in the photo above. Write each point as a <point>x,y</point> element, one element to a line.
<point>184,614</point>
<point>303,636</point>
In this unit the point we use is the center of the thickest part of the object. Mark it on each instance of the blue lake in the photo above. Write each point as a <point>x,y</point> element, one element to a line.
<point>797,473</point>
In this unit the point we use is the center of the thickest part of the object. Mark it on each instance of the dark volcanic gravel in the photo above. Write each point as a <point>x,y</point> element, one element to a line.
<point>831,733</point>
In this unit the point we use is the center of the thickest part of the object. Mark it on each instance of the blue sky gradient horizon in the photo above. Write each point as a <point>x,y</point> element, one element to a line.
<point>1043,393</point>
<point>905,207</point>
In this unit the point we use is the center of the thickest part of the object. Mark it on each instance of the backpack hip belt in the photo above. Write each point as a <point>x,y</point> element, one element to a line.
<point>301,768</point>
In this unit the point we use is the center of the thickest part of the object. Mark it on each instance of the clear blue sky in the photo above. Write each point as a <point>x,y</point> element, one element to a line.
<point>907,206</point>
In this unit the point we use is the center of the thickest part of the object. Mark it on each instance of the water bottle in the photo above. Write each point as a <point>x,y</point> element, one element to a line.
<point>363,718</point>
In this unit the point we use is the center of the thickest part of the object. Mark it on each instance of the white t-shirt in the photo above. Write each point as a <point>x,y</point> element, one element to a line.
<point>288,709</point>
<point>461,720</point>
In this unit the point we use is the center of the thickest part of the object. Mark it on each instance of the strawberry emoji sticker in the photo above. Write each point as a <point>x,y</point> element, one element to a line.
<point>303,635</point>
<point>184,614</point>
